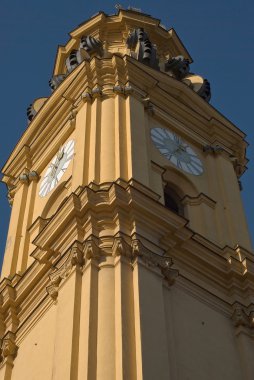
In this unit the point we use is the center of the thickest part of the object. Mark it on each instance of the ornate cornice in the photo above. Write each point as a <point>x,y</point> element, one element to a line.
<point>96,250</point>
<point>118,76</point>
<point>140,231</point>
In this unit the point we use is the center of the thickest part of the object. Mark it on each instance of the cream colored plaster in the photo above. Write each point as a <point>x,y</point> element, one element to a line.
<point>204,340</point>
<point>38,344</point>
<point>103,281</point>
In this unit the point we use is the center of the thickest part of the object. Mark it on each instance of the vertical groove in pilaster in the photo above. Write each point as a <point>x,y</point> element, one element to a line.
<point>106,154</point>
<point>94,143</point>
<point>67,328</point>
<point>138,340</point>
<point>97,142</point>
<point>121,151</point>
<point>28,218</point>
<point>124,322</point>
<point>86,148</point>
<point>93,324</point>
<point>128,136</point>
<point>88,322</point>
<point>14,236</point>
<point>76,326</point>
<point>106,321</point>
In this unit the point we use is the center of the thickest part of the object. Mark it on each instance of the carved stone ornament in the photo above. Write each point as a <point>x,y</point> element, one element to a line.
<point>34,108</point>
<point>75,258</point>
<point>96,92</point>
<point>198,84</point>
<point>73,60</point>
<point>88,46</point>
<point>143,49</point>
<point>23,178</point>
<point>8,346</point>
<point>30,112</point>
<point>56,80</point>
<point>240,316</point>
<point>164,263</point>
<point>123,90</point>
<point>205,91</point>
<point>178,66</point>
<point>122,248</point>
<point>91,45</point>
<point>33,176</point>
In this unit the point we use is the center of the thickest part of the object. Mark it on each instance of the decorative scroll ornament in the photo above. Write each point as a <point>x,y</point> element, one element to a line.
<point>34,108</point>
<point>74,59</point>
<point>30,112</point>
<point>198,84</point>
<point>56,80</point>
<point>164,263</point>
<point>178,66</point>
<point>76,259</point>
<point>91,45</point>
<point>142,48</point>
<point>88,45</point>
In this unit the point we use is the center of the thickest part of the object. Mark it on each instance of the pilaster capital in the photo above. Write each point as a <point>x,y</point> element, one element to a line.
<point>9,347</point>
<point>74,259</point>
<point>243,318</point>
<point>122,248</point>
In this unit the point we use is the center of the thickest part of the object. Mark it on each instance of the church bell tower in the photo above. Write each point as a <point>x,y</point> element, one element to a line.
<point>128,255</point>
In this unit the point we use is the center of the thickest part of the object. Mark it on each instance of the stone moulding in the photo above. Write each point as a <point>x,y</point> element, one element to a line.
<point>97,249</point>
<point>131,75</point>
<point>148,234</point>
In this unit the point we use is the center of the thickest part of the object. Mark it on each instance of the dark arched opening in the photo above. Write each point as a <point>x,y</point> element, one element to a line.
<point>172,201</point>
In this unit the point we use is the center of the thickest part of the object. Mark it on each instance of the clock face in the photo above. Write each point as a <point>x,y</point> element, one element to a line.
<point>176,151</point>
<point>57,168</point>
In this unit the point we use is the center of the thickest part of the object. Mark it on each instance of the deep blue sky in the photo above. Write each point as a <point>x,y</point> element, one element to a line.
<point>219,36</point>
